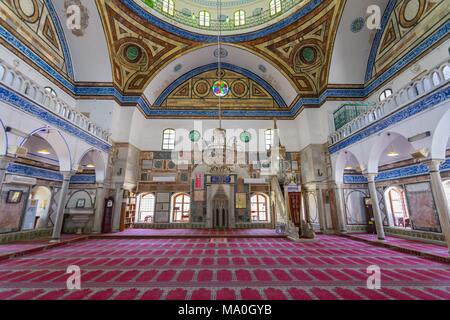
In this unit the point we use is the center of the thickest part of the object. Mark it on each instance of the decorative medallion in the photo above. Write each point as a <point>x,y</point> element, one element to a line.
<point>171,165</point>
<point>411,11</point>
<point>178,67</point>
<point>202,88</point>
<point>28,10</point>
<point>220,88</point>
<point>239,88</point>
<point>133,53</point>
<point>358,24</point>
<point>245,136</point>
<point>223,53</point>
<point>194,136</point>
<point>308,54</point>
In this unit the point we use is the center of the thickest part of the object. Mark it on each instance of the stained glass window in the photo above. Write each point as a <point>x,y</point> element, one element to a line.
<point>220,88</point>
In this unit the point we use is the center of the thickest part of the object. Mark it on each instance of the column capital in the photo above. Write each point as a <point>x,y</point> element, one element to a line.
<point>67,174</point>
<point>370,176</point>
<point>433,164</point>
<point>100,185</point>
<point>4,161</point>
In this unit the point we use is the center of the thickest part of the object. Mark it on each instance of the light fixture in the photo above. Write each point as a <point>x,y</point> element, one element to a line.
<point>90,166</point>
<point>43,151</point>
<point>348,168</point>
<point>392,153</point>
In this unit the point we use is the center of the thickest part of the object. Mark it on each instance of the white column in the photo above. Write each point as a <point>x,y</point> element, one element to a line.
<point>56,236</point>
<point>440,198</point>
<point>340,209</point>
<point>320,208</point>
<point>99,207</point>
<point>376,208</point>
<point>117,207</point>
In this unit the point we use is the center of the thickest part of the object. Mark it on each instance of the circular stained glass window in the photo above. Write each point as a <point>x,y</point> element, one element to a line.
<point>220,88</point>
<point>194,135</point>
<point>245,137</point>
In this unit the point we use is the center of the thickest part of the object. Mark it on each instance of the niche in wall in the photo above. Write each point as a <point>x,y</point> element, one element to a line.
<point>81,199</point>
<point>354,206</point>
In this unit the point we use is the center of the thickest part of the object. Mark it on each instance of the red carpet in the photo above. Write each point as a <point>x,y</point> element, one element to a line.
<point>237,268</point>
<point>411,246</point>
<point>189,233</point>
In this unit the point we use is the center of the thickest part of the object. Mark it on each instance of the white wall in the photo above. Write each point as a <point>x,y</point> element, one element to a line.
<point>146,134</point>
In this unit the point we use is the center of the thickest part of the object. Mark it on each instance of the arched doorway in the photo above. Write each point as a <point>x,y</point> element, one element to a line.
<point>397,208</point>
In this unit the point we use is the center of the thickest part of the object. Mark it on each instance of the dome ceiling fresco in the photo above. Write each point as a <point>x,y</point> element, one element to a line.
<point>302,50</point>
<point>276,68</point>
<point>256,13</point>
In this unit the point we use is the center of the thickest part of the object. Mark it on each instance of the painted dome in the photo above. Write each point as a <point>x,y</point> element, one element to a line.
<point>233,17</point>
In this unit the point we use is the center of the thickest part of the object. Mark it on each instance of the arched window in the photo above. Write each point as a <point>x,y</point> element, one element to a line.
<point>385,94</point>
<point>269,138</point>
<point>204,18</point>
<point>398,208</point>
<point>239,18</point>
<point>147,208</point>
<point>168,140</point>
<point>446,72</point>
<point>168,6</point>
<point>51,91</point>
<point>275,7</point>
<point>259,207</point>
<point>181,208</point>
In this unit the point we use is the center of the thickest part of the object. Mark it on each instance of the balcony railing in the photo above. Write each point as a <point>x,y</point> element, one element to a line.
<point>191,19</point>
<point>26,87</point>
<point>437,77</point>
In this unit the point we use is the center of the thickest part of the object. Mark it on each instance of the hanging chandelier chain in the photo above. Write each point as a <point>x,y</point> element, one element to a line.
<point>219,56</point>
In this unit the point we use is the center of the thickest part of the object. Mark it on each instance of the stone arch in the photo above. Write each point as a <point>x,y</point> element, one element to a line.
<point>381,143</point>
<point>97,158</point>
<point>440,137</point>
<point>343,159</point>
<point>57,141</point>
